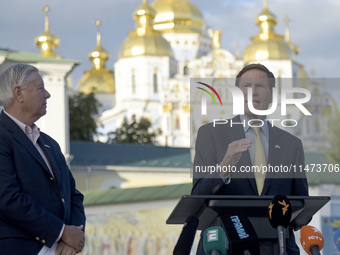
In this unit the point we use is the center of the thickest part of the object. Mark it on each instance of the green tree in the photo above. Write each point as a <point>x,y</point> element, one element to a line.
<point>332,136</point>
<point>134,132</point>
<point>83,110</point>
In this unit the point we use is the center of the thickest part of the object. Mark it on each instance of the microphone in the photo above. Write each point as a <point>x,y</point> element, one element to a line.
<point>215,241</point>
<point>311,240</point>
<point>241,234</point>
<point>337,239</point>
<point>187,236</point>
<point>280,212</point>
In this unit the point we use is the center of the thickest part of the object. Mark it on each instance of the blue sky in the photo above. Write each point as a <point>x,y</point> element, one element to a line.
<point>314,27</point>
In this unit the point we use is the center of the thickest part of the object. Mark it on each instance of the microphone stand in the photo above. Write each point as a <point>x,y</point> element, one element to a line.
<point>282,239</point>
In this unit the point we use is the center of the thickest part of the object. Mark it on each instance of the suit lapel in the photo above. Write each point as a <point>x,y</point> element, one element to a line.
<point>274,153</point>
<point>275,144</point>
<point>236,132</point>
<point>47,150</point>
<point>22,138</point>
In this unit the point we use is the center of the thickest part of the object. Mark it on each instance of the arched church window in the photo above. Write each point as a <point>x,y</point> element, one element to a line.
<point>185,70</point>
<point>155,83</point>
<point>133,82</point>
<point>168,124</point>
<point>177,122</point>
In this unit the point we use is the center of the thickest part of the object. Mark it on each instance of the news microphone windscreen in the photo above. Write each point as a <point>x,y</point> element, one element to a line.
<point>187,236</point>
<point>241,234</point>
<point>214,239</point>
<point>280,211</point>
<point>337,239</point>
<point>309,237</point>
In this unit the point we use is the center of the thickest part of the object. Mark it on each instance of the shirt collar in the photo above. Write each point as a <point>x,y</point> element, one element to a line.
<point>35,131</point>
<point>264,127</point>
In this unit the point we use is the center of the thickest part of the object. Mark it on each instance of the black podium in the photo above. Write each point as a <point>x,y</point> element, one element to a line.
<point>209,209</point>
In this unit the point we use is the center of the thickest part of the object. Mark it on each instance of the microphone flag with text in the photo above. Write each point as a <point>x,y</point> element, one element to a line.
<point>215,241</point>
<point>280,213</point>
<point>311,240</point>
<point>241,234</point>
<point>187,236</point>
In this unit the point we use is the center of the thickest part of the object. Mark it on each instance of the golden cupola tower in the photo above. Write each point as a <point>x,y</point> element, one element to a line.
<point>177,16</point>
<point>99,79</point>
<point>268,45</point>
<point>47,42</point>
<point>145,40</point>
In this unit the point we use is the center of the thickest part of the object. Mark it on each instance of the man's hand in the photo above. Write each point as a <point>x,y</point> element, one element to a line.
<point>234,152</point>
<point>64,249</point>
<point>74,237</point>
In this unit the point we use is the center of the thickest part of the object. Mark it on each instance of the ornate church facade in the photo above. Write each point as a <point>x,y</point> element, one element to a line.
<point>171,44</point>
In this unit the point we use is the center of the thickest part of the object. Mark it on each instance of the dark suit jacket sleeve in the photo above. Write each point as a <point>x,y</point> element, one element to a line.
<point>290,155</point>
<point>205,182</point>
<point>32,204</point>
<point>74,199</point>
<point>77,214</point>
<point>212,144</point>
<point>19,209</point>
<point>300,185</point>
<point>77,208</point>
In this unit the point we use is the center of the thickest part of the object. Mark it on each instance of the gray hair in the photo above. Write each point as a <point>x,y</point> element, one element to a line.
<point>16,75</point>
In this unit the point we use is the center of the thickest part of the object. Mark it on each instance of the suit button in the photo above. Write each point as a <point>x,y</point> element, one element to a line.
<point>63,200</point>
<point>51,179</point>
<point>43,241</point>
<point>37,238</point>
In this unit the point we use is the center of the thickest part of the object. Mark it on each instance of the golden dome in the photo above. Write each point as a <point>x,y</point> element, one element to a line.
<point>98,56</point>
<point>99,79</point>
<point>145,40</point>
<point>144,10</point>
<point>47,42</point>
<point>267,44</point>
<point>177,16</point>
<point>270,49</point>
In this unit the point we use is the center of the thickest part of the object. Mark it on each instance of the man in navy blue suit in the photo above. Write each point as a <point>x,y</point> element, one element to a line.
<point>41,211</point>
<point>234,145</point>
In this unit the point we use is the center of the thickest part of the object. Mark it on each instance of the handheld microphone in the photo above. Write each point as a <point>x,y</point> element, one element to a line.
<point>311,240</point>
<point>280,212</point>
<point>187,236</point>
<point>337,239</point>
<point>215,241</point>
<point>241,234</point>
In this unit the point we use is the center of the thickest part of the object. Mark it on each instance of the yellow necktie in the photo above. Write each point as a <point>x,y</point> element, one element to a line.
<point>260,159</point>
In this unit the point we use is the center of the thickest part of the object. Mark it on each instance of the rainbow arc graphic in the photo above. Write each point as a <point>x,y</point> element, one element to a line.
<point>209,93</point>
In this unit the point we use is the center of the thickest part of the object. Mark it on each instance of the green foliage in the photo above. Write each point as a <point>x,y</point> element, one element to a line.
<point>134,132</point>
<point>83,110</point>
<point>332,136</point>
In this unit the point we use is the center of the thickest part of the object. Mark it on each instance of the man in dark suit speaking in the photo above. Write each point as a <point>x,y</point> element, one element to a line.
<point>248,143</point>
<point>41,211</point>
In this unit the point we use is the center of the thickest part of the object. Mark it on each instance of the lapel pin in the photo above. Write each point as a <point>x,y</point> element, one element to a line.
<point>277,146</point>
<point>47,146</point>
